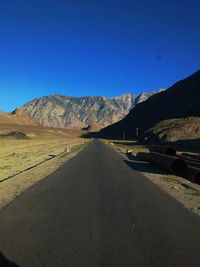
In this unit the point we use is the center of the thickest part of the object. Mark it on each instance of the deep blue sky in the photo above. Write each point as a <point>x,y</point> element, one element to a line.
<point>95,47</point>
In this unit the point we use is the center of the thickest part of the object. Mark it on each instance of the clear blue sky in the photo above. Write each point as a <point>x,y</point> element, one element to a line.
<point>95,47</point>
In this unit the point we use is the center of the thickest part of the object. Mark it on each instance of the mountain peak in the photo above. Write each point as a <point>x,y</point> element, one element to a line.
<point>67,111</point>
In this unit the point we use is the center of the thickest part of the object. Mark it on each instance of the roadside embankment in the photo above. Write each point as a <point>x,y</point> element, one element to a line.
<point>187,193</point>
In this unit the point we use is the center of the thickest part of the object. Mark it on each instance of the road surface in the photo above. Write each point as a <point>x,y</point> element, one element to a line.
<point>95,211</point>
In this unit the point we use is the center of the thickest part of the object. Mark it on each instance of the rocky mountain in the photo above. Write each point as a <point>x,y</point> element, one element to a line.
<point>160,114</point>
<point>17,117</point>
<point>66,111</point>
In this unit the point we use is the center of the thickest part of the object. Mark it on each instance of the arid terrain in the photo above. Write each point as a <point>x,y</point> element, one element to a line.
<point>184,133</point>
<point>99,133</point>
<point>26,161</point>
<point>162,116</point>
<point>64,111</point>
<point>18,155</point>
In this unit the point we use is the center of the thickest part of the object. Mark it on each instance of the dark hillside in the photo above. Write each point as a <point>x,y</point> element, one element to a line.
<point>179,101</point>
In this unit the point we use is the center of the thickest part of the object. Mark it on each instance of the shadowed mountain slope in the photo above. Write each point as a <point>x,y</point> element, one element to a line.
<point>179,101</point>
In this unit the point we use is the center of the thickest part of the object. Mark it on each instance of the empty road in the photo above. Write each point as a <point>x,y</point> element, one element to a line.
<point>95,211</point>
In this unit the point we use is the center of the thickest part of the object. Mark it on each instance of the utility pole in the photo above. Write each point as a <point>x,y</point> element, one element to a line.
<point>137,132</point>
<point>124,135</point>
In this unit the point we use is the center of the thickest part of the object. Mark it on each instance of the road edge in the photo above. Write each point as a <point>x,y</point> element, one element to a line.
<point>12,188</point>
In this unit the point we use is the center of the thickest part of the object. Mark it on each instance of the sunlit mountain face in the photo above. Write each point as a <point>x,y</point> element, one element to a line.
<point>66,111</point>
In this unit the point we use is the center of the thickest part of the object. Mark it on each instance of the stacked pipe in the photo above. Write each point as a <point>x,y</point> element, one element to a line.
<point>193,162</point>
<point>165,162</point>
<point>164,157</point>
<point>191,155</point>
<point>168,150</point>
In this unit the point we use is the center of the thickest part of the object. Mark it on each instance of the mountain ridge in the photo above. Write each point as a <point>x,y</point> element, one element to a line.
<point>67,111</point>
<point>181,100</point>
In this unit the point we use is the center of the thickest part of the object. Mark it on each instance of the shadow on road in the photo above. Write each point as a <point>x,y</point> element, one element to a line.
<point>139,165</point>
<point>6,263</point>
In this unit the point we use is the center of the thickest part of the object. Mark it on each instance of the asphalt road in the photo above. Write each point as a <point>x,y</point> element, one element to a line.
<point>95,211</point>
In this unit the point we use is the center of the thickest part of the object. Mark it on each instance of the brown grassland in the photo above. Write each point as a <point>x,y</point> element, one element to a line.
<point>25,162</point>
<point>43,144</point>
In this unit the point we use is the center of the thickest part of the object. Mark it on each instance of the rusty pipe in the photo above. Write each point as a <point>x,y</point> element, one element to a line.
<point>168,150</point>
<point>193,174</point>
<point>165,162</point>
<point>168,163</point>
<point>196,156</point>
<point>192,163</point>
<point>188,158</point>
<point>143,156</point>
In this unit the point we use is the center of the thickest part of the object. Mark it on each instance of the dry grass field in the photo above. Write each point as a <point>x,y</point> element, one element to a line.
<point>43,144</point>
<point>26,162</point>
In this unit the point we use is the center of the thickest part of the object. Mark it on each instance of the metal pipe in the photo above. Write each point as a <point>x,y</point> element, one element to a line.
<point>192,163</point>
<point>196,156</point>
<point>193,174</point>
<point>143,156</point>
<point>168,150</point>
<point>165,162</point>
<point>188,158</point>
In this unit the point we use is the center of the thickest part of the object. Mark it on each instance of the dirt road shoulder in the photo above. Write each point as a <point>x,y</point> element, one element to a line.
<point>187,193</point>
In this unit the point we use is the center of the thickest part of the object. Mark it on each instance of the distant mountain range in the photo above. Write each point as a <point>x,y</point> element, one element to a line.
<point>171,115</point>
<point>96,111</point>
<point>158,117</point>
